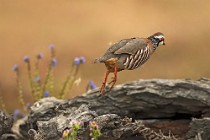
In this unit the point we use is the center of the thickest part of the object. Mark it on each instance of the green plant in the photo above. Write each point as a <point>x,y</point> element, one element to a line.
<point>95,132</point>
<point>2,106</point>
<point>71,77</point>
<point>71,132</point>
<point>19,85</point>
<point>39,87</point>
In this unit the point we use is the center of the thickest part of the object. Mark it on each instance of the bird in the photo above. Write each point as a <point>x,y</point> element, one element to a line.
<point>128,54</point>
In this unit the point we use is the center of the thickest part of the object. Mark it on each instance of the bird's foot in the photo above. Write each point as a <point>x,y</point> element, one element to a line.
<point>112,83</point>
<point>102,89</point>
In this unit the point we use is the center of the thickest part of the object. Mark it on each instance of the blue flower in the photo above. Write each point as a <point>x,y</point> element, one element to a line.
<point>92,85</point>
<point>27,106</point>
<point>82,60</point>
<point>15,68</point>
<point>46,94</point>
<point>26,59</point>
<point>40,56</point>
<point>79,60</point>
<point>76,61</point>
<point>54,62</point>
<point>16,113</point>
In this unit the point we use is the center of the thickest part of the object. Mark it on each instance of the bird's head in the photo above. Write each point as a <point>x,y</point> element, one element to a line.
<point>157,39</point>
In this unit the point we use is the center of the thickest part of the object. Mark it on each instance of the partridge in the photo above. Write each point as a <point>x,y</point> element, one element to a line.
<point>128,54</point>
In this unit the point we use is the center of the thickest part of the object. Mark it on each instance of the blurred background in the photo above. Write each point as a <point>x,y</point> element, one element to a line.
<point>86,28</point>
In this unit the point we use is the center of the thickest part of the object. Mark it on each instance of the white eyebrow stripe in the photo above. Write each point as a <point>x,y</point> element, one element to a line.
<point>159,36</point>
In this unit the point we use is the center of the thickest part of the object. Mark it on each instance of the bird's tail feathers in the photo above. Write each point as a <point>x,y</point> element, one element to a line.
<point>98,60</point>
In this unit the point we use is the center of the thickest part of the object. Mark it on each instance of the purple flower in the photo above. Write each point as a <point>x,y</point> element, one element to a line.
<point>15,68</point>
<point>92,85</point>
<point>54,62</point>
<point>90,122</point>
<point>27,106</point>
<point>76,60</point>
<point>26,59</point>
<point>16,113</point>
<point>81,123</point>
<point>82,59</point>
<point>79,60</point>
<point>70,129</point>
<point>40,56</point>
<point>46,94</point>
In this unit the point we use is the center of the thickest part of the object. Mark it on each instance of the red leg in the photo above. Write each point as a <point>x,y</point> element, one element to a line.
<point>104,82</point>
<point>114,79</point>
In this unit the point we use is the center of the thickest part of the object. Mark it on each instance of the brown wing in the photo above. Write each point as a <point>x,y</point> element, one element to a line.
<point>132,46</point>
<point>118,45</point>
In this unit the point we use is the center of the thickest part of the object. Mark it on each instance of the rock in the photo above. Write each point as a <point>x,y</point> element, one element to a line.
<point>199,127</point>
<point>9,136</point>
<point>6,122</point>
<point>53,128</point>
<point>153,105</point>
<point>155,98</point>
<point>178,128</point>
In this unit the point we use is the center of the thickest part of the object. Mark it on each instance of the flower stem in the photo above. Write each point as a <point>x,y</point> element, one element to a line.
<point>69,81</point>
